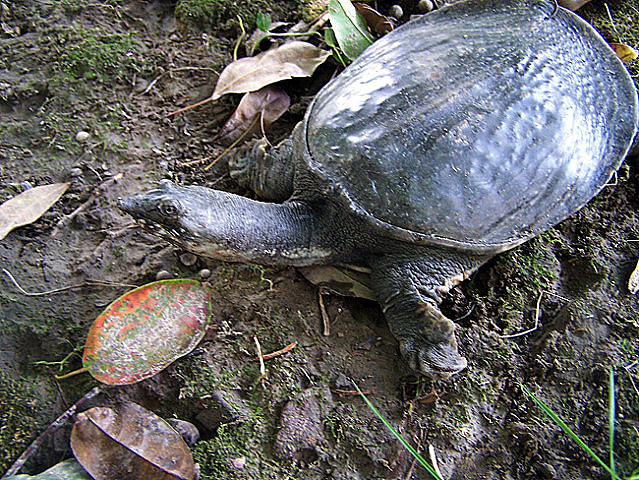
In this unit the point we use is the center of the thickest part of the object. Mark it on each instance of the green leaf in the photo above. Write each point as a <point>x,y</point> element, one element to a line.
<point>146,329</point>
<point>349,27</point>
<point>263,21</point>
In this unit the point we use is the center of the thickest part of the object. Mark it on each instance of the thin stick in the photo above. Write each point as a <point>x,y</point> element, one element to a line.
<point>260,357</point>
<point>67,218</point>
<point>414,462</point>
<point>325,320</point>
<point>287,348</point>
<point>612,22</point>
<point>90,283</point>
<point>525,332</point>
<point>351,393</point>
<point>181,69</point>
<point>59,422</point>
<point>72,374</point>
<point>190,107</point>
<point>433,459</point>
<point>232,145</point>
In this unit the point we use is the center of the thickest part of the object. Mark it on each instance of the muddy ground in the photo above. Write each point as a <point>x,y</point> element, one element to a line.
<point>114,70</point>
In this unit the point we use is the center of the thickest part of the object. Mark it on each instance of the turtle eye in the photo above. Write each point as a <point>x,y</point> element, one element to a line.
<point>168,209</point>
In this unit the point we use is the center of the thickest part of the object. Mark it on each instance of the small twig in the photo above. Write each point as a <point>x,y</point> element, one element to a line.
<point>59,422</point>
<point>409,473</point>
<point>72,374</point>
<point>67,218</point>
<point>326,321</point>
<point>239,40</point>
<point>260,357</point>
<point>433,459</point>
<point>172,70</point>
<point>525,332</point>
<point>351,393</point>
<point>612,22</point>
<point>282,351</point>
<point>89,283</point>
<point>232,145</point>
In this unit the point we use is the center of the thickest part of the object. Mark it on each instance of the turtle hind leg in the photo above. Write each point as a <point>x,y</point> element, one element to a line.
<point>268,171</point>
<point>409,287</point>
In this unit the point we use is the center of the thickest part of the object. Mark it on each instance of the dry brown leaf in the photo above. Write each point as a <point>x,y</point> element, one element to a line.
<point>625,52</point>
<point>28,206</point>
<point>130,443</point>
<point>255,111</point>
<point>378,22</point>
<point>293,59</point>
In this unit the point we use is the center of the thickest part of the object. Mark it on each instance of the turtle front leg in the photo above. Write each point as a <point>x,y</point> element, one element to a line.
<point>267,170</point>
<point>409,289</point>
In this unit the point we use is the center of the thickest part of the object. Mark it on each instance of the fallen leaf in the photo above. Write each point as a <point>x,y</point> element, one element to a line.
<point>129,442</point>
<point>573,4</point>
<point>625,52</point>
<point>349,27</point>
<point>256,111</point>
<point>633,282</point>
<point>68,470</point>
<point>146,329</point>
<point>292,59</point>
<point>28,206</point>
<point>378,22</point>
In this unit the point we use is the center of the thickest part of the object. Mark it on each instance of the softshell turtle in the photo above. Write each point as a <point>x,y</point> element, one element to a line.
<point>459,135</point>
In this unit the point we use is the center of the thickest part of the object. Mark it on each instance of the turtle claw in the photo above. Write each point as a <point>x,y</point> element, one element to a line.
<point>436,360</point>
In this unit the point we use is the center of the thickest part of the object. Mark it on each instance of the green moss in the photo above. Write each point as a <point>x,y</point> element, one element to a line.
<point>98,55</point>
<point>23,416</point>
<point>220,13</point>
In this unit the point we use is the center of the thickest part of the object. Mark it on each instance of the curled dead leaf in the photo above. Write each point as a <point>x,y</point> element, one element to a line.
<point>625,52</point>
<point>256,111</point>
<point>129,442</point>
<point>375,20</point>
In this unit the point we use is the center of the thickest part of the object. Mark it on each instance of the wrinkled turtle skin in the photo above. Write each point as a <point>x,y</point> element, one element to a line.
<point>457,136</point>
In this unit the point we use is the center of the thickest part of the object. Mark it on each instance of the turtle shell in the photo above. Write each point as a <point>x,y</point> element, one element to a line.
<point>478,125</point>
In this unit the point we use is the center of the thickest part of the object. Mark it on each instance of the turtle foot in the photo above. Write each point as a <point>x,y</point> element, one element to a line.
<point>436,360</point>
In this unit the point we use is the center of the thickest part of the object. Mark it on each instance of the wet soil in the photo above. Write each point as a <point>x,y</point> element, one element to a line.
<point>114,70</point>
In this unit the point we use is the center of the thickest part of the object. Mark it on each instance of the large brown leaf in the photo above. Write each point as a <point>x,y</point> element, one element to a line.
<point>130,443</point>
<point>293,59</point>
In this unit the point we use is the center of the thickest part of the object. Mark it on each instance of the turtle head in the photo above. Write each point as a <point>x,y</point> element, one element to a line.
<point>190,217</point>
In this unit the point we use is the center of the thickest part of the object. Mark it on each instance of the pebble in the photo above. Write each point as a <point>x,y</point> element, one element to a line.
<point>425,6</point>
<point>188,259</point>
<point>75,172</point>
<point>205,273</point>
<point>396,12</point>
<point>163,275</point>
<point>187,430</point>
<point>82,136</point>
<point>239,463</point>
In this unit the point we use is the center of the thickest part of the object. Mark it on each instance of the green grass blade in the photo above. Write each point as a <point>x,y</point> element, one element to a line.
<point>611,418</point>
<point>570,433</point>
<point>406,445</point>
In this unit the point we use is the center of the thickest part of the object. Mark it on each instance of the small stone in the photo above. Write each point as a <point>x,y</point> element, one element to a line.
<point>204,273</point>
<point>75,172</point>
<point>425,6</point>
<point>188,259</point>
<point>163,275</point>
<point>187,430</point>
<point>82,136</point>
<point>396,12</point>
<point>238,463</point>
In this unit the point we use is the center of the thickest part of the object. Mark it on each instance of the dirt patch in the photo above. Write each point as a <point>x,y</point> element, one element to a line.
<point>114,70</point>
